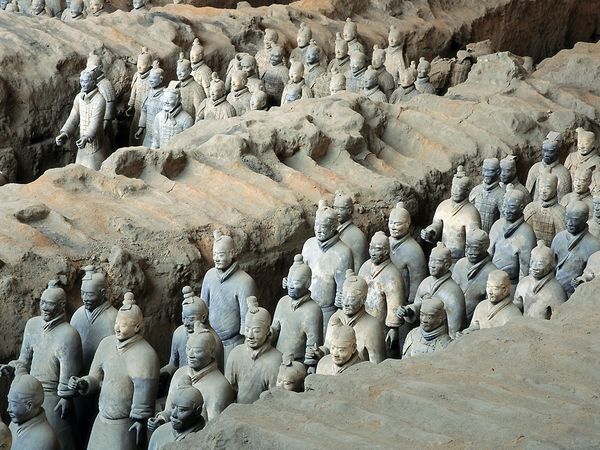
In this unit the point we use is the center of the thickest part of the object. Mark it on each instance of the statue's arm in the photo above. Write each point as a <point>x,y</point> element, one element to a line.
<point>97,120</point>
<point>72,121</point>
<point>70,358</point>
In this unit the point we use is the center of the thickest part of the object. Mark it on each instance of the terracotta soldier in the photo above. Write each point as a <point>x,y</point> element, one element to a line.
<point>406,87</point>
<point>138,6</point>
<point>573,247</point>
<point>38,8</point>
<point>406,254</point>
<point>582,180</point>
<point>97,8</point>
<point>315,75</point>
<point>453,217</point>
<point>291,374</point>
<point>350,35</point>
<point>29,426</point>
<point>87,114</point>
<point>337,82</point>
<point>193,309</point>
<point>275,76</point>
<point>591,271</point>
<point>186,405</point>
<point>296,79</point>
<point>488,196</point>
<point>125,370</point>
<point>191,92</point>
<point>293,93</point>
<point>225,289</point>
<point>538,294</point>
<point>342,59</point>
<point>258,101</point>
<point>511,238</point>
<point>151,105</point>
<point>432,334</point>
<point>205,376</point>
<point>76,12</point>
<point>394,55</point>
<point>303,38</point>
<point>371,87</point>
<point>551,163</point>
<point>248,65</point>
<point>139,90</point>
<point>422,82</point>
<point>216,106</point>
<point>354,77</point>
<point>263,56</point>
<point>384,78</point>
<point>350,234</point>
<point>441,285</point>
<point>11,6</point>
<point>329,259</point>
<point>461,67</point>
<point>385,287</point>
<point>106,88</point>
<point>594,222</point>
<point>51,352</point>
<point>298,320</point>
<point>545,215</point>
<point>586,155</point>
<point>508,175</point>
<point>239,97</point>
<point>343,348</point>
<point>200,70</point>
<point>498,308</point>
<point>172,120</point>
<point>252,368</point>
<point>471,272</point>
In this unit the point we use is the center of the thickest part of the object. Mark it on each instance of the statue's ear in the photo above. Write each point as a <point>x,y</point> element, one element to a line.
<point>138,327</point>
<point>103,292</point>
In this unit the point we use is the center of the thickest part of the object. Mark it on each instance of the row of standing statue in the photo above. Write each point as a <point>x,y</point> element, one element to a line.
<point>503,251</point>
<point>69,11</point>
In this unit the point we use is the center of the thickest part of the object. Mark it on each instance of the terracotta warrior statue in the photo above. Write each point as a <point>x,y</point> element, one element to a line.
<point>432,334</point>
<point>511,238</point>
<point>488,196</point>
<point>591,271</point>
<point>172,120</point>
<point>550,162</point>
<point>350,35</point>
<point>275,75</point>
<point>193,309</point>
<point>582,180</point>
<point>258,101</point>
<point>343,350</point>
<point>51,352</point>
<point>303,38</point>
<point>498,308</point>
<point>38,8</point>
<point>337,82</point>
<point>239,97</point>
<point>139,90</point>
<point>573,247</point>
<point>87,114</point>
<point>29,426</point>
<point>394,54</point>
<point>293,93</point>
<point>152,105</point>
<point>200,70</point>
<point>11,6</point>
<point>441,285</point>
<point>342,59</point>
<point>371,88</point>
<point>545,215</point>
<point>586,156</point>
<point>138,6</point>
<point>406,254</point>
<point>125,372</point>
<point>385,287</point>
<point>453,217</point>
<point>186,405</point>
<point>422,82</point>
<point>329,259</point>
<point>355,76</point>
<point>252,368</point>
<point>314,72</point>
<point>384,78</point>
<point>471,272</point>
<point>205,376</point>
<point>97,8</point>
<point>406,87</point>
<point>298,320</point>
<point>76,12</point>
<point>216,106</point>
<point>594,222</point>
<point>350,234</point>
<point>539,294</point>
<point>106,88</point>
<point>508,175</point>
<point>296,79</point>
<point>291,374</point>
<point>248,65</point>
<point>263,56</point>
<point>191,92</point>
<point>225,289</point>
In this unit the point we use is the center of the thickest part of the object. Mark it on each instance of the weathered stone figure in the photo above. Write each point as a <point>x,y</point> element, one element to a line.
<point>350,234</point>
<point>225,289</point>
<point>138,6</point>
<point>453,217</point>
<point>152,105</point>
<point>342,59</point>
<point>538,294</point>
<point>406,87</point>
<point>29,426</point>
<point>461,67</point>
<point>191,92</point>
<point>508,175</point>
<point>75,12</point>
<point>51,352</point>
<point>263,56</point>
<point>591,271</point>
<point>594,222</point>
<point>303,38</point>
<point>422,82</point>
<point>371,88</point>
<point>140,87</point>
<point>291,374</point>
<point>97,8</point>
<point>406,254</point>
<point>239,97</point>
<point>551,163</point>
<point>172,120</point>
<point>125,370</point>
<point>314,72</point>
<point>200,70</point>
<point>298,320</point>
<point>384,78</point>
<point>106,88</point>
<point>471,272</point>
<point>586,155</point>
<point>248,65</point>
<point>343,347</point>
<point>258,101</point>
<point>337,82</point>
<point>252,368</point>
<point>350,35</point>
<point>582,180</point>
<point>38,8</point>
<point>545,215</point>
<point>488,196</point>
<point>394,54</point>
<point>354,77</point>
<point>296,79</point>
<point>573,247</point>
<point>87,114</point>
<point>432,334</point>
<point>275,76</point>
<point>216,106</point>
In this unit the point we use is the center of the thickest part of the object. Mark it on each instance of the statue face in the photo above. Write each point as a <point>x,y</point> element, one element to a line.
<point>257,103</point>
<point>349,34</point>
<point>324,229</point>
<point>352,302</point>
<point>288,383</point>
<point>87,82</point>
<point>155,79</point>
<point>37,6</point>
<point>189,315</point>
<point>137,4</point>
<point>341,49</point>
<point>343,211</point>
<point>439,266</point>
<point>398,226</point>
<point>51,306</point>
<point>216,91</point>
<point>378,253</point>
<point>302,39</point>
<point>394,38</point>
<point>143,65</point>
<point>170,101</point>
<point>247,67</point>
<point>490,175</point>
<point>459,191</point>
<point>575,221</point>
<point>223,258</point>
<point>422,71</point>
<point>197,55</point>
<point>313,56</point>
<point>297,285</point>
<point>96,5</point>
<point>405,78</point>
<point>256,334</point>
<point>357,63</point>
<point>198,356</point>
<point>370,81</point>
<point>183,72</point>
<point>19,410</point>
<point>539,266</point>
<point>430,322</point>
<point>296,75</point>
<point>475,251</point>
<point>547,189</point>
<point>276,57</point>
<point>581,183</point>
<point>184,413</point>
<point>507,173</point>
<point>76,9</point>
<point>584,145</point>
<point>342,351</point>
<point>378,60</point>
<point>512,209</point>
<point>125,327</point>
<point>268,40</point>
<point>238,83</point>
<point>549,153</point>
<point>496,290</point>
<point>92,295</point>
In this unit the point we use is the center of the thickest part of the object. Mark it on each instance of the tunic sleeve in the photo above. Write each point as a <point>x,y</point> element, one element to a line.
<point>417,270</point>
<point>96,375</point>
<point>145,385</point>
<point>69,356</point>
<point>376,345</point>
<point>394,296</point>
<point>97,119</point>
<point>156,132</point>
<point>73,119</point>
<point>26,354</point>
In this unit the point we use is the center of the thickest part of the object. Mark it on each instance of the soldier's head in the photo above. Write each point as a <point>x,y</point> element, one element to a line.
<point>184,67</point>
<point>200,347</point>
<point>276,54</point>
<point>433,313</point>
<point>394,37</point>
<point>304,35</point>
<point>37,6</point>
<point>76,8</point>
<point>498,286</point>
<point>258,324</point>
<point>248,65</point>
<point>476,245</point>
<point>343,206</point>
<point>144,61</point>
<point>87,81</point>
<point>582,180</point>
<point>171,98</point>
<point>239,80</point>
<point>513,204</point>
<point>423,68</point>
<point>296,72</point>
<point>350,30</point>
<point>342,343</point>
<point>217,88</point>
<point>197,52</point>
<point>157,75</point>
<point>585,141</point>
<point>542,261</point>
<point>354,293</point>
<point>508,169</point>
<point>130,319</point>
<point>378,59</point>
<point>550,151</point>
<point>96,6</point>
<point>25,398</point>
<point>406,78</point>
<point>299,278</point>
<point>399,221</point>
<point>337,82</point>
<point>313,53</point>
<point>193,309</point>
<point>291,374</point>
<point>460,185</point>
<point>270,38</point>
<point>576,216</point>
<point>370,78</point>
<point>258,101</point>
<point>293,93</point>
<point>139,4</point>
<point>186,407</point>
<point>548,185</point>
<point>490,170</point>
<point>379,248</point>
<point>326,222</point>
<point>358,62</point>
<point>440,260</point>
<point>52,301</point>
<point>223,250</point>
<point>93,288</point>
<point>341,47</point>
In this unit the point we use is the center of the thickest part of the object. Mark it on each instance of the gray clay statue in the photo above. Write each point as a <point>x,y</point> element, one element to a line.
<point>395,61</point>
<point>248,65</point>
<point>550,162</point>
<point>138,6</point>
<point>216,106</point>
<point>582,180</point>
<point>354,77</point>
<point>303,38</point>
<point>172,120</point>
<point>275,76</point>
<point>38,8</point>
<point>586,156</point>
<point>75,12</point>
<point>258,101</point>
<point>343,350</point>
<point>139,91</point>
<point>508,175</point>
<point>384,78</point>
<point>545,215</point>
<point>489,195</point>
<point>191,92</point>
<point>315,75</point>
<point>371,88</point>
<point>406,87</point>
<point>239,97</point>
<point>107,90</point>
<point>422,82</point>
<point>291,374</point>
<point>349,233</point>
<point>337,81</point>
<point>263,56</point>
<point>594,222</point>
<point>296,82</point>
<point>341,62</point>
<point>350,35</point>
<point>97,8</point>
<point>432,334</point>
<point>152,105</point>
<point>200,70</point>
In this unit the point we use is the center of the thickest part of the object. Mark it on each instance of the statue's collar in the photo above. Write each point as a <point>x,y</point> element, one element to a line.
<point>224,275</point>
<point>47,327</point>
<point>123,346</point>
<point>197,375</point>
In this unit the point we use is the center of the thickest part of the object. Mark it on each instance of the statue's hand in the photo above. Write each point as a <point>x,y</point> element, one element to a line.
<point>284,283</point>
<point>428,235</point>
<point>6,370</point>
<point>315,353</point>
<point>82,141</point>
<point>402,312</point>
<point>392,336</point>
<point>139,133</point>
<point>139,429</point>
<point>154,423</point>
<point>63,408</point>
<point>311,370</point>
<point>338,300</point>
<point>61,139</point>
<point>77,384</point>
<point>130,111</point>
